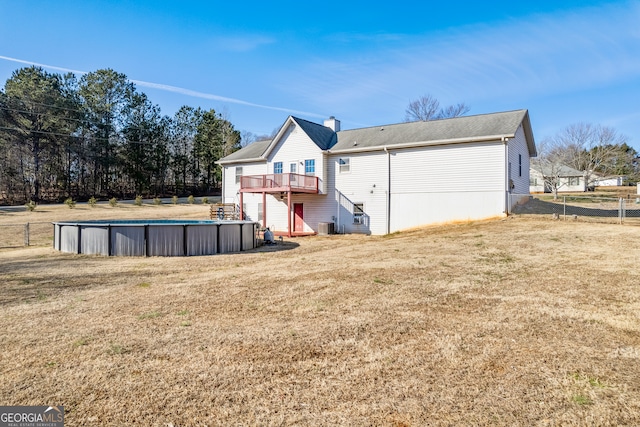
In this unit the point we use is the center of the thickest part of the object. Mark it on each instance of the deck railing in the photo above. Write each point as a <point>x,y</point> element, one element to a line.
<point>279,182</point>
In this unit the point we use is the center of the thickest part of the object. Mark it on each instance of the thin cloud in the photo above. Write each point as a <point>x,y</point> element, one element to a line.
<point>174,89</point>
<point>244,43</point>
<point>546,54</point>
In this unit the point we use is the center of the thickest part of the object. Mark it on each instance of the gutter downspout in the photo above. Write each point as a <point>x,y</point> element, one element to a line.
<point>505,141</point>
<point>388,189</point>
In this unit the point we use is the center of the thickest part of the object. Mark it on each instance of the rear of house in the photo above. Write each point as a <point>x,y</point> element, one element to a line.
<point>382,179</point>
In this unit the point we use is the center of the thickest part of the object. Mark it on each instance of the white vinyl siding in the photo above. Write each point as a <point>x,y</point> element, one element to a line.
<point>294,146</point>
<point>519,159</point>
<point>366,184</point>
<point>447,183</point>
<point>231,187</point>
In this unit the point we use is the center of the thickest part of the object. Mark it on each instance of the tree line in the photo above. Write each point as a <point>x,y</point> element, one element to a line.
<point>99,136</point>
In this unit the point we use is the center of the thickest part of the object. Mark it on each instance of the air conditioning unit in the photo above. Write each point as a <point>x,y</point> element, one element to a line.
<point>358,220</point>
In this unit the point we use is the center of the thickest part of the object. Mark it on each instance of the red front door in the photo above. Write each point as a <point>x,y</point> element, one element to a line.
<point>298,217</point>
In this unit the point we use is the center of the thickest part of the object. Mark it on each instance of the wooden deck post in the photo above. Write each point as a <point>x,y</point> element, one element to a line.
<point>264,209</point>
<point>289,213</point>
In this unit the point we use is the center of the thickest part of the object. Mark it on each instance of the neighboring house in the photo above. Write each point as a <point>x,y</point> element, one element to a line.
<point>382,179</point>
<point>544,176</point>
<point>603,181</point>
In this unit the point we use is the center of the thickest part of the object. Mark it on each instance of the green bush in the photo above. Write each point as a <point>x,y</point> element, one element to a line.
<point>113,202</point>
<point>92,202</point>
<point>205,200</point>
<point>31,206</point>
<point>70,202</point>
<point>174,200</point>
<point>191,200</point>
<point>157,201</point>
<point>138,201</point>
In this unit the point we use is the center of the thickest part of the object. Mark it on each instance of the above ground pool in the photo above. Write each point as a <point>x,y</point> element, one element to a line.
<point>158,237</point>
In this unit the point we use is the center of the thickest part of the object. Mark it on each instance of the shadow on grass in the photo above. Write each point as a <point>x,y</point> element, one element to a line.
<point>275,247</point>
<point>540,207</point>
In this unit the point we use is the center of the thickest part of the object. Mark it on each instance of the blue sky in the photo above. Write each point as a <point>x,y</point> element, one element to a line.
<point>258,62</point>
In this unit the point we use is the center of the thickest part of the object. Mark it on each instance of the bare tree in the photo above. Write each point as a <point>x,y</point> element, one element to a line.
<point>428,108</point>
<point>589,148</point>
<point>246,138</point>
<point>551,164</point>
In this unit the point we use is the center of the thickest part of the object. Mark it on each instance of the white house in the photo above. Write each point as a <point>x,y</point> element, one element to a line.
<point>545,175</point>
<point>382,179</point>
<point>607,181</point>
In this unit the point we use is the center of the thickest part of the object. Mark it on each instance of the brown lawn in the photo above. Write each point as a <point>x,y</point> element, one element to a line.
<point>521,321</point>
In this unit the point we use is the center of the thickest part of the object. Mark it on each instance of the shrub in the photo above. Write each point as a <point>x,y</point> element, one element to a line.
<point>205,200</point>
<point>113,202</point>
<point>92,202</point>
<point>138,201</point>
<point>157,201</point>
<point>174,200</point>
<point>70,202</point>
<point>191,200</point>
<point>31,206</point>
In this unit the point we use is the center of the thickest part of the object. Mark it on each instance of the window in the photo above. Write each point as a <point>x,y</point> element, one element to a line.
<point>238,174</point>
<point>533,181</point>
<point>574,180</point>
<point>277,167</point>
<point>358,213</point>
<point>519,164</point>
<point>344,165</point>
<point>310,167</point>
<point>260,211</point>
<point>293,168</point>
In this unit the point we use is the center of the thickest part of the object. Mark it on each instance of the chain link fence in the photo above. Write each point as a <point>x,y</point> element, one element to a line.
<point>578,207</point>
<point>26,234</point>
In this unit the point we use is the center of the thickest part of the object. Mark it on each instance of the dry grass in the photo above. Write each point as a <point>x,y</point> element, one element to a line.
<point>512,322</point>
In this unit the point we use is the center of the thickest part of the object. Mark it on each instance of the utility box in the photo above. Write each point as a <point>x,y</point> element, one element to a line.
<point>325,228</point>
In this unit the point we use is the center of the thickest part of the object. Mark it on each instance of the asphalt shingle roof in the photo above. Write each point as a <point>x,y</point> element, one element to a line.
<point>459,129</point>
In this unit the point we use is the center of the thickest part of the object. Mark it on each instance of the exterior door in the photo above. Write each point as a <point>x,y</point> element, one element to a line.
<point>298,217</point>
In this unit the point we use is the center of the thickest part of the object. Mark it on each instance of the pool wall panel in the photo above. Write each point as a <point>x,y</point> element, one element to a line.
<point>248,236</point>
<point>95,240</point>
<point>69,238</point>
<point>202,239</point>
<point>127,241</point>
<point>165,240</point>
<point>229,238</point>
<point>154,237</point>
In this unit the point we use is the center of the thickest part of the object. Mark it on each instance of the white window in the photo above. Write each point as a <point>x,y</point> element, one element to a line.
<point>519,164</point>
<point>574,180</point>
<point>358,213</point>
<point>293,168</point>
<point>310,167</point>
<point>238,174</point>
<point>345,165</point>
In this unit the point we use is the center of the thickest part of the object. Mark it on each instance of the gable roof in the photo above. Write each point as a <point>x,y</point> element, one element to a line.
<point>546,168</point>
<point>484,127</point>
<point>257,151</point>
<point>251,153</point>
<point>322,136</point>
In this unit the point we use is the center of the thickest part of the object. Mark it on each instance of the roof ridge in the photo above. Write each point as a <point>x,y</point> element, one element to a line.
<point>437,120</point>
